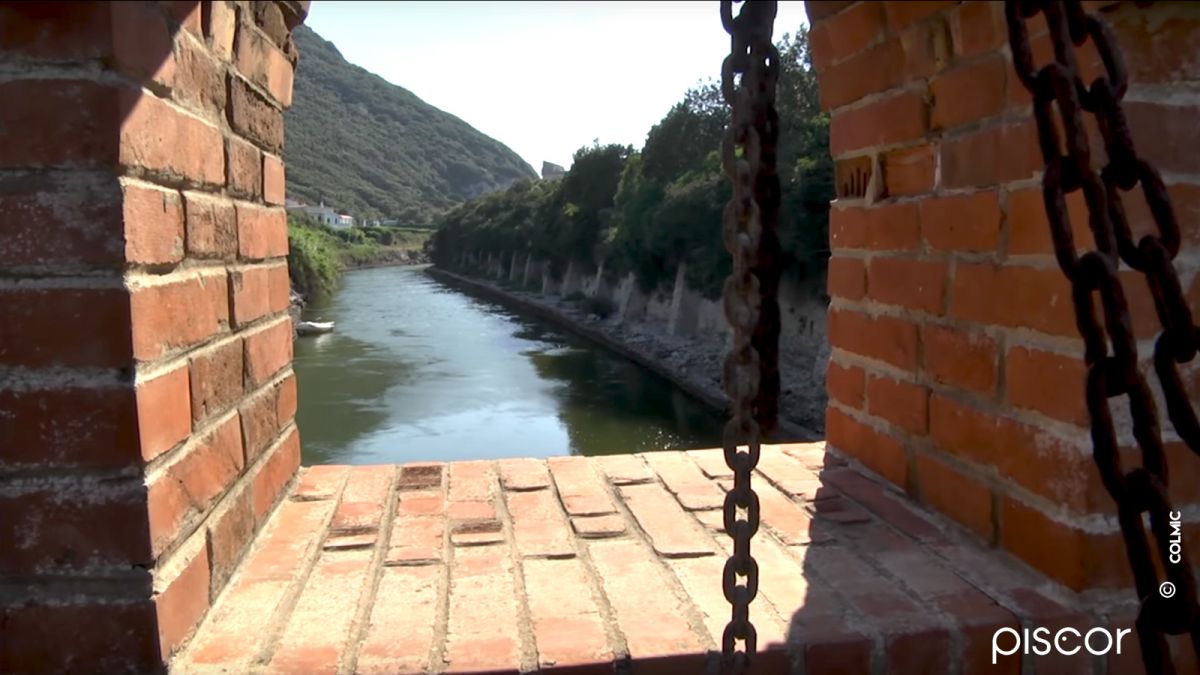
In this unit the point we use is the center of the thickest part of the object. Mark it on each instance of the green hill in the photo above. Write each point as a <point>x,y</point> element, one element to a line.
<point>357,142</point>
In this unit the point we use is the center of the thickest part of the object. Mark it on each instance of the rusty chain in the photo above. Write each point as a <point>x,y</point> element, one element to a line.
<point>1140,490</point>
<point>749,223</point>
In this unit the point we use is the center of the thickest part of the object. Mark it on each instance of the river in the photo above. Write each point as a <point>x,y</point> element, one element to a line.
<point>417,371</point>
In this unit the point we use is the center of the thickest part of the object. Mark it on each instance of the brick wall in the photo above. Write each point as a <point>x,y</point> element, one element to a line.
<point>957,369</point>
<point>146,389</point>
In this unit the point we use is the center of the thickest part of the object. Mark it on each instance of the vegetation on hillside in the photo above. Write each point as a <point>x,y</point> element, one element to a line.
<point>647,212</point>
<point>319,254</point>
<point>362,144</point>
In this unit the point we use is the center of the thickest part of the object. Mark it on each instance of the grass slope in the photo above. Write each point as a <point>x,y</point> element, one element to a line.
<point>360,143</point>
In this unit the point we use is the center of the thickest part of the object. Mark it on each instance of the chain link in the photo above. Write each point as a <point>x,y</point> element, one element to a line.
<point>749,229</point>
<point>1058,87</point>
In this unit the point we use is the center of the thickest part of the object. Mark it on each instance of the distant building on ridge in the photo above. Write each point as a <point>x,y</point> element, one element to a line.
<point>551,171</point>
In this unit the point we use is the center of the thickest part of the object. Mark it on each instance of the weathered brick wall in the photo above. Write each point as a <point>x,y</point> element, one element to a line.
<point>957,369</point>
<point>146,389</point>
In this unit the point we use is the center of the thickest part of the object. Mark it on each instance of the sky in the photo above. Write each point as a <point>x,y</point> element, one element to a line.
<point>544,78</point>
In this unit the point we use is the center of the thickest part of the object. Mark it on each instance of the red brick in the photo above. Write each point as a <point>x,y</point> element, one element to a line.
<point>320,482</point>
<point>184,491</point>
<point>847,33</point>
<point>876,69</point>
<point>669,529</point>
<point>908,171</point>
<point>275,473</point>
<point>625,469</point>
<point>887,227</point>
<point>178,313</point>
<point>538,524</point>
<point>268,351</point>
<point>568,629</point>
<point>230,531</point>
<point>285,409</point>
<point>1185,199</point>
<point>262,233</point>
<point>164,140</point>
<point>279,288</point>
<point>904,404</point>
<point>57,31</point>
<point>600,527</point>
<point>651,629</point>
<point>845,383</point>
<point>1022,297</point>
<point>243,168</point>
<point>481,590</point>
<point>879,452</point>
<point>927,49</point>
<point>895,119</point>
<point>787,519</point>
<point>969,93</point>
<point>966,360</point>
<point>907,282</point>
<point>54,531</point>
<point>964,223</point>
<point>262,63</point>
<point>1156,126</point>
<point>400,635</point>
<point>32,320</point>
<point>364,499</point>
<point>1153,44</point>
<point>523,474</point>
<point>78,427</point>
<point>199,80</point>
<point>86,112</point>
<point>269,18</point>
<point>964,498</point>
<point>582,491</point>
<point>318,631</point>
<point>220,25</point>
<point>149,57</point>
<point>260,420</point>
<point>107,637</point>
<point>884,338</point>
<point>87,233</point>
<point>901,14</point>
<point>994,154</point>
<point>216,379</point>
<point>847,278</point>
<point>418,530</point>
<point>182,604</point>
<point>1068,555</point>
<point>274,181</point>
<point>1023,454</point>
<point>211,227</point>
<point>1052,384</point>
<point>164,412</point>
<point>852,178</point>
<point>693,490</point>
<point>820,10</point>
<point>251,293</point>
<point>978,27</point>
<point>153,225</point>
<point>185,14</point>
<point>253,117</point>
<point>897,512</point>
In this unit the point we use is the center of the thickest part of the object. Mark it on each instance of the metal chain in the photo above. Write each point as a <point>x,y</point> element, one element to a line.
<point>749,224</point>
<point>1140,490</point>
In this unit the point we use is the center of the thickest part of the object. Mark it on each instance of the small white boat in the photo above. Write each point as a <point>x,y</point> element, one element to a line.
<point>314,327</point>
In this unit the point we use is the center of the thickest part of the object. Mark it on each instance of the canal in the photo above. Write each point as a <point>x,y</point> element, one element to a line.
<point>418,371</point>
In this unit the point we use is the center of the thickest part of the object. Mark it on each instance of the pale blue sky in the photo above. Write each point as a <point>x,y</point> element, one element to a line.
<point>544,78</point>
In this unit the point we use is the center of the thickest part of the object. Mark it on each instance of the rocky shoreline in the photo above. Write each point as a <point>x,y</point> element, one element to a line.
<point>693,365</point>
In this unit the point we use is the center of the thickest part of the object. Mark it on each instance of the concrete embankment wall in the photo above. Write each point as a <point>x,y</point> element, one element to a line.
<point>673,329</point>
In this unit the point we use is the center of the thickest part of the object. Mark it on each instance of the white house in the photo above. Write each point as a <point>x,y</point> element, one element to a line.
<point>323,214</point>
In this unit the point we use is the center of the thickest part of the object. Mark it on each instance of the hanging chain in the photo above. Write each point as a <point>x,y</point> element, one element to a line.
<point>750,220</point>
<point>1170,608</point>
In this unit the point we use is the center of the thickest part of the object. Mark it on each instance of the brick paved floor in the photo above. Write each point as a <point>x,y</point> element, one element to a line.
<point>613,564</point>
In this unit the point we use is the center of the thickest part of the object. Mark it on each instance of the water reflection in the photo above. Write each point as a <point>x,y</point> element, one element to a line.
<point>418,371</point>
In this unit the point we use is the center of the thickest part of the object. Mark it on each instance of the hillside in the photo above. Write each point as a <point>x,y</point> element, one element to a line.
<point>358,142</point>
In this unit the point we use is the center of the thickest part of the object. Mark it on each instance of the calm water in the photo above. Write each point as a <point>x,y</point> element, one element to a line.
<point>419,371</point>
